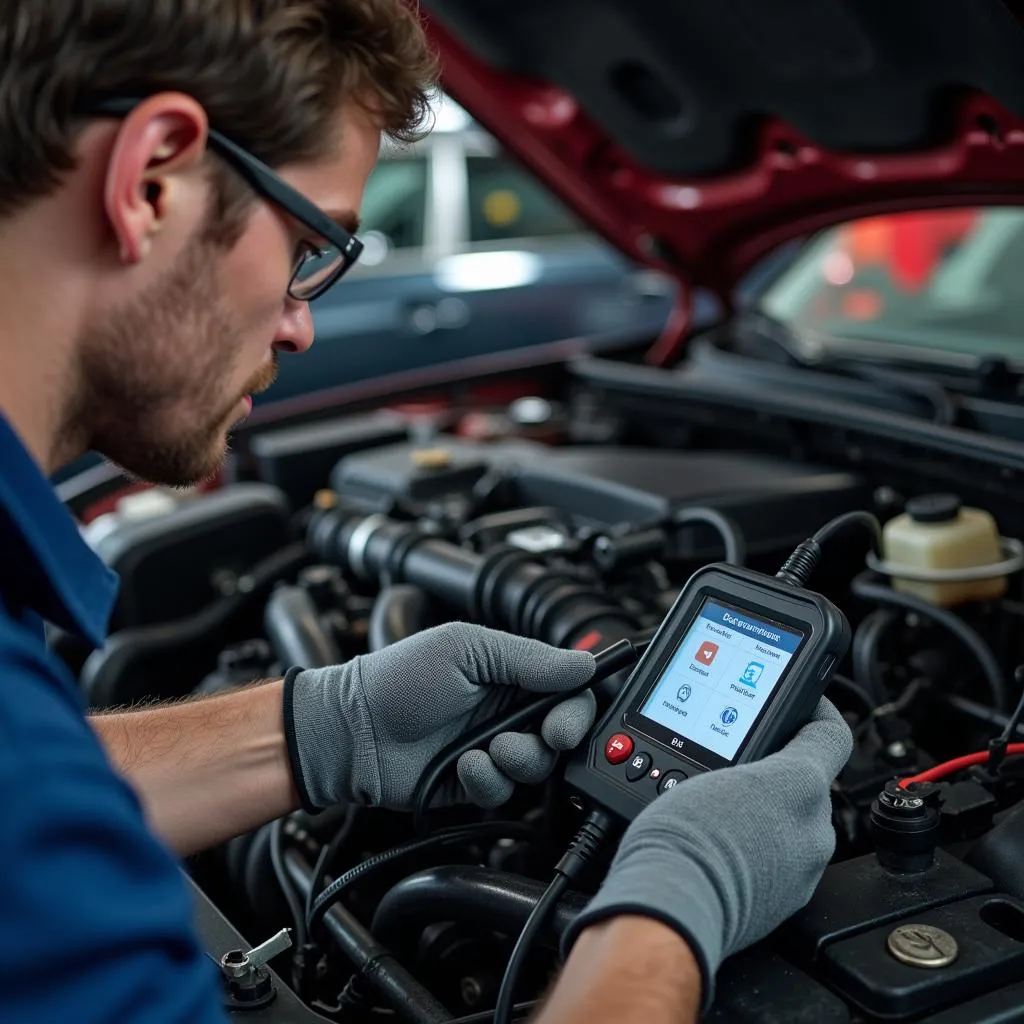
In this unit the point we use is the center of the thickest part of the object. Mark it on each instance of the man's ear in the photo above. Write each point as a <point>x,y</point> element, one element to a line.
<point>160,145</point>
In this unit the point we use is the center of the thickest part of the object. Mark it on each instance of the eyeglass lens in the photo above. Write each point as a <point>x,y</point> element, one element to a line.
<point>316,270</point>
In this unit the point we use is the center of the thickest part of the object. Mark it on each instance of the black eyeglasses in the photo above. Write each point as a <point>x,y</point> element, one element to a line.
<point>318,264</point>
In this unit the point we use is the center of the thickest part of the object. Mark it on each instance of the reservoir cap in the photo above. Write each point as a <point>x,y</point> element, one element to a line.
<point>934,508</point>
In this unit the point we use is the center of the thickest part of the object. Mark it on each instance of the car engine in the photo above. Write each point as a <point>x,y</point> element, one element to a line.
<point>576,519</point>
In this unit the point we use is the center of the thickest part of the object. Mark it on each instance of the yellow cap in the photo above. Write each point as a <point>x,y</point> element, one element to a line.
<point>431,458</point>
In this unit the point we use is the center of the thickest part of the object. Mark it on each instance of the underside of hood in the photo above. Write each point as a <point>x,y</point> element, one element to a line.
<point>698,135</point>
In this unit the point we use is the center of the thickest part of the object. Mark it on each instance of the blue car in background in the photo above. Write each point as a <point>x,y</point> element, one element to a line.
<point>466,254</point>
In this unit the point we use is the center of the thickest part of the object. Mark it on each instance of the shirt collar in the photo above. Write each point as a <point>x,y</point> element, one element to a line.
<point>45,564</point>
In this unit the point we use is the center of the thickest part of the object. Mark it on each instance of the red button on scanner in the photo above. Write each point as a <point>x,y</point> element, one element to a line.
<point>618,748</point>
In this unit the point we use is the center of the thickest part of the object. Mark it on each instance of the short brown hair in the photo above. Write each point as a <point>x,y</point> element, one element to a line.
<point>269,73</point>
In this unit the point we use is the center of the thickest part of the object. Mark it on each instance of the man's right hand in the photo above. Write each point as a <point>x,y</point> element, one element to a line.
<point>728,856</point>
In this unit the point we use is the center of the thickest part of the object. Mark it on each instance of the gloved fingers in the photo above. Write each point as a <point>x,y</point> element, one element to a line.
<point>566,725</point>
<point>491,657</point>
<point>523,757</point>
<point>485,785</point>
<point>826,740</point>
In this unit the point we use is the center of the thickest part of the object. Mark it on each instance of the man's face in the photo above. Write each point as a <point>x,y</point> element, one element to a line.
<point>170,367</point>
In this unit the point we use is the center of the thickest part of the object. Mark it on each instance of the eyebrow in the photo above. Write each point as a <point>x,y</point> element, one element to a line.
<point>346,219</point>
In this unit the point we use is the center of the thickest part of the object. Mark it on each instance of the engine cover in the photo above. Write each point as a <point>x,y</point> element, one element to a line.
<point>776,503</point>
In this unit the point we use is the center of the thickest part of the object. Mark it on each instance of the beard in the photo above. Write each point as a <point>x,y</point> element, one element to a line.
<point>154,376</point>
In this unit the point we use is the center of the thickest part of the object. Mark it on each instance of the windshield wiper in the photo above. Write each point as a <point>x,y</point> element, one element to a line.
<point>936,395</point>
<point>758,327</point>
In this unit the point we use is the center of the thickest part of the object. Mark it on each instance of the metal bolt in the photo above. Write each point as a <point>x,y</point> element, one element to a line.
<point>897,750</point>
<point>238,964</point>
<point>235,964</point>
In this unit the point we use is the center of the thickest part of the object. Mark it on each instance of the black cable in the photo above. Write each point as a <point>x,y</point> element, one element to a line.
<point>321,904</point>
<point>905,699</point>
<point>980,714</point>
<point>487,1016</point>
<point>896,707</point>
<point>291,897</point>
<point>797,569</point>
<point>1011,725</point>
<point>865,586</point>
<point>730,532</point>
<point>614,659</point>
<point>587,841</point>
<point>849,686</point>
<point>864,652</point>
<point>840,523</point>
<point>328,855</point>
<point>997,747</point>
<point>503,1011</point>
<point>410,1000</point>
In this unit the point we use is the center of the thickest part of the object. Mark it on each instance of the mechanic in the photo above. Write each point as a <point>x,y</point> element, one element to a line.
<point>152,274</point>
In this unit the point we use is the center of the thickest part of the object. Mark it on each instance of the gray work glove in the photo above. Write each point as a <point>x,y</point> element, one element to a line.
<point>365,731</point>
<point>725,857</point>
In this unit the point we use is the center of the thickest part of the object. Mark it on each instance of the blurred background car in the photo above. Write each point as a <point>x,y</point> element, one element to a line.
<point>466,254</point>
<point>921,286</point>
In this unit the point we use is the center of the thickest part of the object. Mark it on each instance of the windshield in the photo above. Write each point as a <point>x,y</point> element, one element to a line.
<point>948,281</point>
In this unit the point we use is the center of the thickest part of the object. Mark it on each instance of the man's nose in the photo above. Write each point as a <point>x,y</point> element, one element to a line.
<point>295,331</point>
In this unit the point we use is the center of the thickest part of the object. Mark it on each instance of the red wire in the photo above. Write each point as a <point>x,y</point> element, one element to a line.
<point>940,771</point>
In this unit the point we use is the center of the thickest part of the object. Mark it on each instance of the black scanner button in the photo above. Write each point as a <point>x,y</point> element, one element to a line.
<point>637,766</point>
<point>670,780</point>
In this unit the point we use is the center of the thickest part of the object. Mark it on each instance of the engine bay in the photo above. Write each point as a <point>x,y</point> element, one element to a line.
<point>575,518</point>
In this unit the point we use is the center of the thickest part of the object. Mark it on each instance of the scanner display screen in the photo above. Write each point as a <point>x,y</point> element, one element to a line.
<point>721,677</point>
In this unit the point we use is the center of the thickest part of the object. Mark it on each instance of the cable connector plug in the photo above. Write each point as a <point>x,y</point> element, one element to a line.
<point>797,569</point>
<point>586,843</point>
<point>997,750</point>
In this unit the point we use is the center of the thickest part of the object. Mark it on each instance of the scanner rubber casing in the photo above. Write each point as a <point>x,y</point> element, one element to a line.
<point>790,706</point>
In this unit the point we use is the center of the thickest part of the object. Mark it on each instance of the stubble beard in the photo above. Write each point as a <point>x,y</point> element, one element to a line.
<point>154,377</point>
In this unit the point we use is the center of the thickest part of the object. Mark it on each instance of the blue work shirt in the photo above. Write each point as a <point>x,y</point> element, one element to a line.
<point>95,915</point>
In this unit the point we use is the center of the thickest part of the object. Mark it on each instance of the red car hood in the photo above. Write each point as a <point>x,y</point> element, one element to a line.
<point>698,135</point>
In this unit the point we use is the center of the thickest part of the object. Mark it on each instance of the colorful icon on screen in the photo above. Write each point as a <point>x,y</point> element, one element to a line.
<point>706,653</point>
<point>729,715</point>
<point>752,673</point>
<point>683,693</point>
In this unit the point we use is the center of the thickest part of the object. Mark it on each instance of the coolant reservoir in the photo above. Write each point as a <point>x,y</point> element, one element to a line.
<point>936,532</point>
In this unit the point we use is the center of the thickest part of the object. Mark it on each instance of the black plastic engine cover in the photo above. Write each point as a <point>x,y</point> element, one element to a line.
<point>167,563</point>
<point>419,473</point>
<point>299,459</point>
<point>776,503</point>
<point>988,931</point>
<point>759,987</point>
<point>1006,1006</point>
<point>859,894</point>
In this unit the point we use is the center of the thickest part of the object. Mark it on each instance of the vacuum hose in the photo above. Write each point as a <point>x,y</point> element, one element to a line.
<point>469,894</point>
